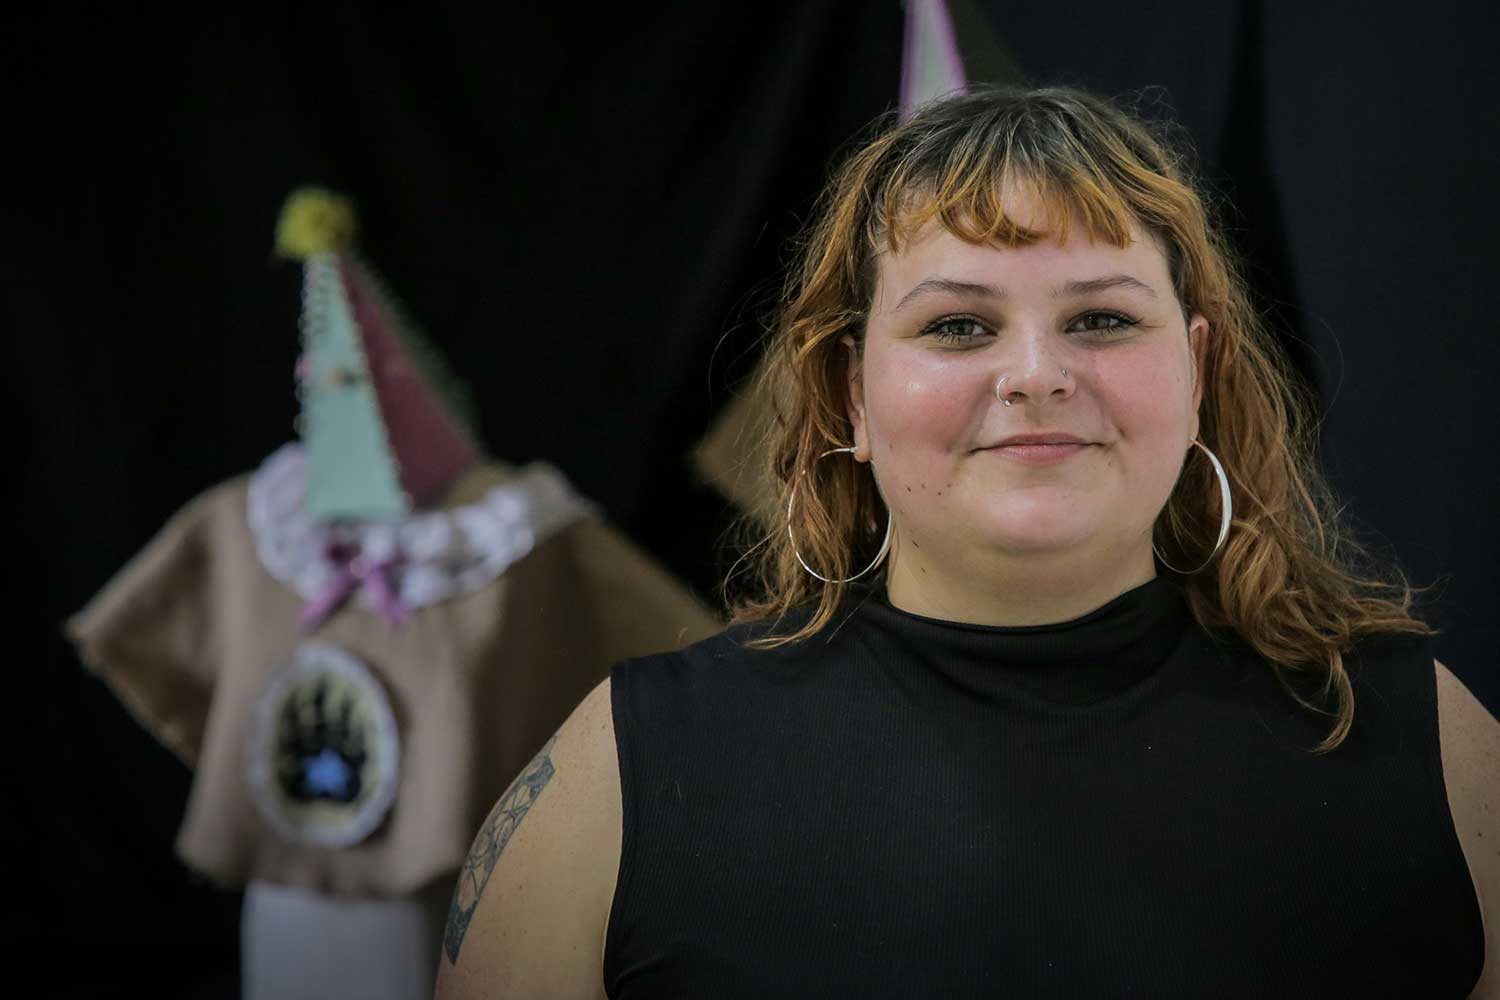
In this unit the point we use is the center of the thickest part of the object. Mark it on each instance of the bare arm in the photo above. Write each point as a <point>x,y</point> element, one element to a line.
<point>531,905</point>
<point>1470,739</point>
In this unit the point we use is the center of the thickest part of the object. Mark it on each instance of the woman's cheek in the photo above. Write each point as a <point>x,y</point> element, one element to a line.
<point>1153,417</point>
<point>925,408</point>
<point>919,432</point>
<point>1152,397</point>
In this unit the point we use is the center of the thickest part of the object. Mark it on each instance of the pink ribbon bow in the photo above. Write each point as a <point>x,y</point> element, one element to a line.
<point>355,571</point>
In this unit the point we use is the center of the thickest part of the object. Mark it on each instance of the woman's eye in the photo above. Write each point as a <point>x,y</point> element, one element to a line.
<point>956,329</point>
<point>1118,323</point>
<point>966,329</point>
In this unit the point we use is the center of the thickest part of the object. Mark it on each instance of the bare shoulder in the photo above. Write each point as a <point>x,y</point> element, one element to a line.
<point>531,905</point>
<point>1470,743</point>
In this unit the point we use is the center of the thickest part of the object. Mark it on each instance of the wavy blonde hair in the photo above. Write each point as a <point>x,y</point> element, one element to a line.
<point>1289,580</point>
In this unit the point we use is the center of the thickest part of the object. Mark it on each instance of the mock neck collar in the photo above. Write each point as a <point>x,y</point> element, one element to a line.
<point>1081,661</point>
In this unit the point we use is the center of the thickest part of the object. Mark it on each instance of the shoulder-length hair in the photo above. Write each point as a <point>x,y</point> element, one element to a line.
<point>1290,580</point>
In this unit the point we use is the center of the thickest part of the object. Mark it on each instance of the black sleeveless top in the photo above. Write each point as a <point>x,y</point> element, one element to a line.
<point>1119,805</point>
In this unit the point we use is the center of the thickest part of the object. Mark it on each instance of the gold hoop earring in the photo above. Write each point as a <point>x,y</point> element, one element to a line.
<point>885,545</point>
<point>1225,515</point>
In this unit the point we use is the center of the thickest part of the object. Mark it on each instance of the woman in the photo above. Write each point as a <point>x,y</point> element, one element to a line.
<point>1060,679</point>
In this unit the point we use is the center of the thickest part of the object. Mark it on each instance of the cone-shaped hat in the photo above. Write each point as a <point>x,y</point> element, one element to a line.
<point>382,437</point>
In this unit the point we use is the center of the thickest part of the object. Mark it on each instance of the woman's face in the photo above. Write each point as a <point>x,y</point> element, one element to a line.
<point>949,319</point>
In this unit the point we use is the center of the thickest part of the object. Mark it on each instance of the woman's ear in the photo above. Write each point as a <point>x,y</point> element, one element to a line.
<point>855,398</point>
<point>1198,345</point>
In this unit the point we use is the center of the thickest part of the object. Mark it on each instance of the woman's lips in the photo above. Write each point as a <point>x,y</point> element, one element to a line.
<point>1039,454</point>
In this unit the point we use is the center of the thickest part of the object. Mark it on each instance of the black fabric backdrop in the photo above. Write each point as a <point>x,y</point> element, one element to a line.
<point>586,212</point>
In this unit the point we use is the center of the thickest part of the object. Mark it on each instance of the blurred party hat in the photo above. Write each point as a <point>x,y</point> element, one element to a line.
<point>931,65</point>
<point>946,46</point>
<point>379,420</point>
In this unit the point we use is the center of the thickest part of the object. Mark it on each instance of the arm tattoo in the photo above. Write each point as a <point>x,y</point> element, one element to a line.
<point>490,843</point>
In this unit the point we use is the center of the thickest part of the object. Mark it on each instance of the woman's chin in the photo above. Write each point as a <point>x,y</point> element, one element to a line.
<point>1036,543</point>
<point>1036,528</point>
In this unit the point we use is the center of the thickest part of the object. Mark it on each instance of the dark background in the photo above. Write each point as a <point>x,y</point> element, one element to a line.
<point>586,211</point>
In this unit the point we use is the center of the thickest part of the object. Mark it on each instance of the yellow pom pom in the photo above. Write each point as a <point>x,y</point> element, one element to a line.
<point>314,220</point>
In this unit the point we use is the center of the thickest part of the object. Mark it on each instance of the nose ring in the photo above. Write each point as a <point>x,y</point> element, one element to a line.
<point>1002,382</point>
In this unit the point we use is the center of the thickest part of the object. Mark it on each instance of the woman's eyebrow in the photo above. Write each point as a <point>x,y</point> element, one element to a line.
<point>1083,286</point>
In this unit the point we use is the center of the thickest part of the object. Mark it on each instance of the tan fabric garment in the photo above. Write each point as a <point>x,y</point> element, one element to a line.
<point>732,456</point>
<point>189,633</point>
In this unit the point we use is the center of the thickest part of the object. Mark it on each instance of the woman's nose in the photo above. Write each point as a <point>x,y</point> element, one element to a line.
<point>1033,383</point>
